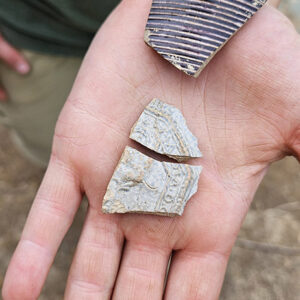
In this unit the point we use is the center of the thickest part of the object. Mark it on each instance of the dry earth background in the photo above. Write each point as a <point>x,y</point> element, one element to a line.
<point>264,265</point>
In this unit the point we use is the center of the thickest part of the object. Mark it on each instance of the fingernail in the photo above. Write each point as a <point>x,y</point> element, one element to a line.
<point>22,68</point>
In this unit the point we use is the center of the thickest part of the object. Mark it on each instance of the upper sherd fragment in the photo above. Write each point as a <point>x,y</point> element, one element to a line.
<point>141,184</point>
<point>188,33</point>
<point>162,128</point>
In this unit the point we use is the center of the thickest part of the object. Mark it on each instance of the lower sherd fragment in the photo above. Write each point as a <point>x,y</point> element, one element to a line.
<point>188,33</point>
<point>141,184</point>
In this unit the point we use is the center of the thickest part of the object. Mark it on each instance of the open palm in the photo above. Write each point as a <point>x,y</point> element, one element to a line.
<point>244,110</point>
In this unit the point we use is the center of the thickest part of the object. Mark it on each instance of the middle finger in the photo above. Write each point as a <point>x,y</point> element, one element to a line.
<point>96,261</point>
<point>142,272</point>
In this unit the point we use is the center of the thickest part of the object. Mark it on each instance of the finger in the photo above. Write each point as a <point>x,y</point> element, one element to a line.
<point>13,57</point>
<point>96,262</point>
<point>49,219</point>
<point>196,276</point>
<point>142,272</point>
<point>274,3</point>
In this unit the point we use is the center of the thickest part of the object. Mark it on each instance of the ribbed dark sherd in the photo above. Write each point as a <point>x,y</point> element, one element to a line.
<point>188,33</point>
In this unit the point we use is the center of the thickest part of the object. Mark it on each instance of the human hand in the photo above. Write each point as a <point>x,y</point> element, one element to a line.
<point>13,58</point>
<point>244,109</point>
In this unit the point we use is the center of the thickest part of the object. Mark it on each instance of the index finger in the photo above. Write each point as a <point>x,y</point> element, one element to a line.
<point>50,217</point>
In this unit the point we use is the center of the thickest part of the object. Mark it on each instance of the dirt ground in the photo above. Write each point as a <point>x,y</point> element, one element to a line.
<point>264,265</point>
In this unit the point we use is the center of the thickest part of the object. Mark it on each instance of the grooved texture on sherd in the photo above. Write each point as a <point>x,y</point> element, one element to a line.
<point>188,33</point>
